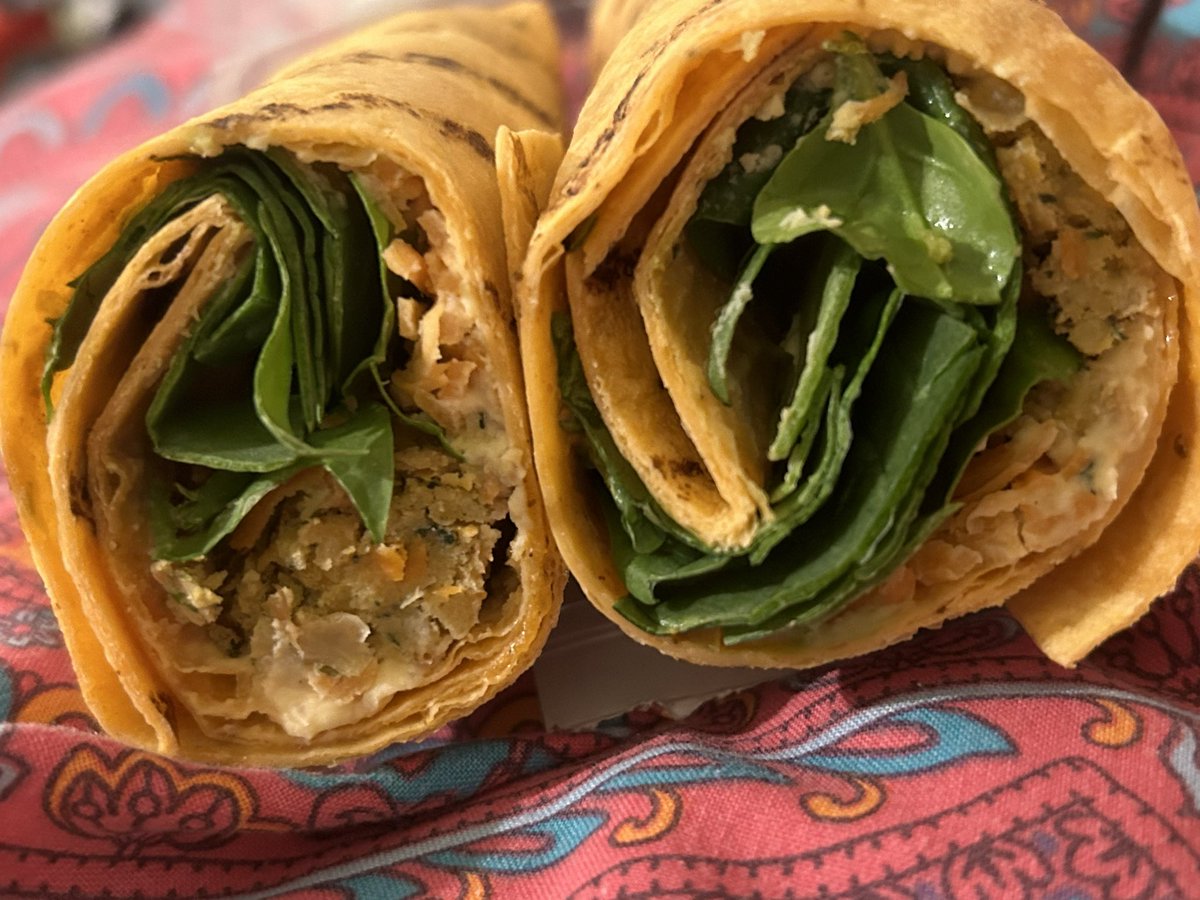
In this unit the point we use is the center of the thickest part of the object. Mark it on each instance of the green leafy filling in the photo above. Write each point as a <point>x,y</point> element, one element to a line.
<point>284,369</point>
<point>890,267</point>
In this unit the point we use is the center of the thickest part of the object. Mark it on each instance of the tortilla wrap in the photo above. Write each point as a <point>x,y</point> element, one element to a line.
<point>280,484</point>
<point>765,210</point>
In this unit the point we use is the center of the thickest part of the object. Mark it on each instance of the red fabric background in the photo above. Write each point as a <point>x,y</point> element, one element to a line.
<point>960,764</point>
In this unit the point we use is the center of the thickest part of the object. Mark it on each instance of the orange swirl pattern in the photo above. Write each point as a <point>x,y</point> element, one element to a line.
<point>475,887</point>
<point>1119,727</point>
<point>868,797</point>
<point>666,806</point>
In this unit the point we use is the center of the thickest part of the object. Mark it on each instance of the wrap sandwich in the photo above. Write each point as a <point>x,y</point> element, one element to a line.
<point>847,318</point>
<point>263,413</point>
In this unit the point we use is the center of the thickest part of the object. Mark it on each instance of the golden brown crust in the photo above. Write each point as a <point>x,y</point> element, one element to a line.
<point>427,91</point>
<point>627,142</point>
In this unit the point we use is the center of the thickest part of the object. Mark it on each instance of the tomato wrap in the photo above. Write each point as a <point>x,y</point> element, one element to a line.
<point>845,319</point>
<point>263,412</point>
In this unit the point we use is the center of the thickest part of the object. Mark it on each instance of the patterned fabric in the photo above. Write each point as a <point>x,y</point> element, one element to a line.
<point>960,764</point>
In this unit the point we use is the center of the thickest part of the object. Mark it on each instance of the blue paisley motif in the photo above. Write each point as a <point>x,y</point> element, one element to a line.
<point>145,86</point>
<point>368,887</point>
<point>12,768</point>
<point>7,693</point>
<point>1184,20</point>
<point>456,771</point>
<point>954,736</point>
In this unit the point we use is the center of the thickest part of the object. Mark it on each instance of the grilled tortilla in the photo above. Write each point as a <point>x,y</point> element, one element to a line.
<point>272,451</point>
<point>845,319</point>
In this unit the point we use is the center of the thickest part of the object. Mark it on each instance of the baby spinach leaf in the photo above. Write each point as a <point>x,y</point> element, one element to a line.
<point>346,284</point>
<point>95,282</point>
<point>383,233</point>
<point>300,312</point>
<point>836,270</point>
<point>718,230</point>
<point>909,190</point>
<point>915,390</point>
<point>217,406</point>
<point>215,431</point>
<point>248,396</point>
<point>368,475</point>
<point>199,505</point>
<point>1038,354</point>
<point>899,544</point>
<point>220,505</point>
<point>931,92</point>
<point>224,338</point>
<point>726,322</point>
<point>864,335</point>
<point>192,528</point>
<point>643,570</point>
<point>729,196</point>
<point>826,397</point>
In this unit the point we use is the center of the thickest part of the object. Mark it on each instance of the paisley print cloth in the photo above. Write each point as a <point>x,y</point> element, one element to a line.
<point>960,764</point>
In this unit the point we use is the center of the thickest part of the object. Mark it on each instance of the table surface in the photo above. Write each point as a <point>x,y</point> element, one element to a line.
<point>961,763</point>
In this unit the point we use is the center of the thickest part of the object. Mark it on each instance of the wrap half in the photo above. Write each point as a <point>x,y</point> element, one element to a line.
<point>272,452</point>
<point>847,318</point>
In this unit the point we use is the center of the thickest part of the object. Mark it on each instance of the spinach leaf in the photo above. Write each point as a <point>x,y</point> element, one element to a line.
<point>368,479</point>
<point>835,273</point>
<point>643,571</point>
<point>383,234</point>
<point>897,372</point>
<point>718,229</point>
<point>647,545</point>
<point>827,397</point>
<point>224,338</point>
<point>295,349</point>
<point>220,433</point>
<point>190,530</point>
<point>93,284</point>
<point>865,332</point>
<point>729,196</point>
<point>909,190</point>
<point>346,297</point>
<point>266,382</point>
<point>931,92</point>
<point>1037,354</point>
<point>899,544</point>
<point>916,390</point>
<point>726,322</point>
<point>199,505</point>
<point>219,416</point>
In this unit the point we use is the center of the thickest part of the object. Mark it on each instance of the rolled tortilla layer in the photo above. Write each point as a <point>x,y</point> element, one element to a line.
<point>861,317</point>
<point>280,485</point>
